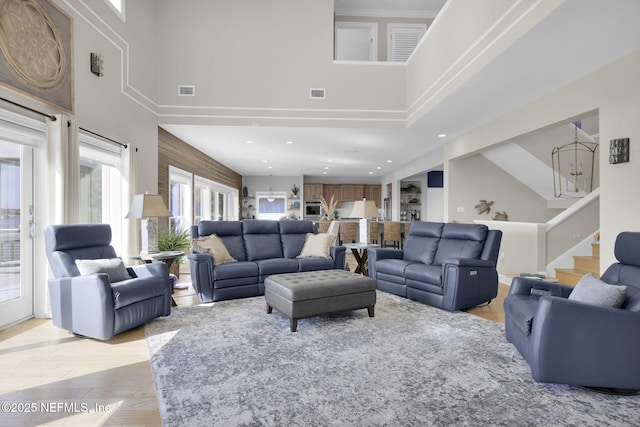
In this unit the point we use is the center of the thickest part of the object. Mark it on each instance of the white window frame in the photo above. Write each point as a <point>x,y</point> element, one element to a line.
<point>186,205</point>
<point>210,212</point>
<point>118,11</point>
<point>275,195</point>
<point>32,133</point>
<point>114,183</point>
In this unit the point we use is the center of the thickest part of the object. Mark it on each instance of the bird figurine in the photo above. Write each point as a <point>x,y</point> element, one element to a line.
<point>484,207</point>
<point>501,216</point>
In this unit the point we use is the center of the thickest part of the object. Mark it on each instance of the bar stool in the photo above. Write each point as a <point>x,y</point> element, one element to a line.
<point>323,226</point>
<point>391,233</point>
<point>348,231</point>
<point>374,232</point>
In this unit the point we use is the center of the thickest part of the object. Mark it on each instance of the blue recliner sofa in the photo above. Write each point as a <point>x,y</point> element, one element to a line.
<point>570,341</point>
<point>261,248</point>
<point>92,305</point>
<point>450,266</point>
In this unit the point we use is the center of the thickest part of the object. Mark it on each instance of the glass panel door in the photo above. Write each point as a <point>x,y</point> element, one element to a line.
<point>16,224</point>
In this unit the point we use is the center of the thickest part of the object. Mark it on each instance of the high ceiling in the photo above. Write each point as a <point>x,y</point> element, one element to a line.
<point>576,39</point>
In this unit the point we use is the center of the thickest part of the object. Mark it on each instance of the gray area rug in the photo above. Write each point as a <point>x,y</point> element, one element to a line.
<point>231,364</point>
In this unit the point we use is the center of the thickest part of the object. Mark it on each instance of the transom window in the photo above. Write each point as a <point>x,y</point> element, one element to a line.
<point>117,6</point>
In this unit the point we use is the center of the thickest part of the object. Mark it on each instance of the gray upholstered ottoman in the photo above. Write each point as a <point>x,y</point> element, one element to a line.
<point>312,293</point>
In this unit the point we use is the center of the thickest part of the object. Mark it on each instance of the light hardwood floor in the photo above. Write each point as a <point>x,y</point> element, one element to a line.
<point>75,381</point>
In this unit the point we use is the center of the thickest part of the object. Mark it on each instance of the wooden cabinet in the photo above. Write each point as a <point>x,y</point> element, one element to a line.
<point>343,192</point>
<point>329,190</point>
<point>351,192</point>
<point>373,192</point>
<point>312,191</point>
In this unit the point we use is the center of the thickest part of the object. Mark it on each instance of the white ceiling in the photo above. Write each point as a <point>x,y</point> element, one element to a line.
<point>578,38</point>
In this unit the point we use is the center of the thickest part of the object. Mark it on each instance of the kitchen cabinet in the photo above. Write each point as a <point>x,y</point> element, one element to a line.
<point>373,192</point>
<point>312,191</point>
<point>329,190</point>
<point>351,192</point>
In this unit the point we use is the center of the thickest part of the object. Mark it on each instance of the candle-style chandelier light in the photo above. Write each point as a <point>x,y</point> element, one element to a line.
<point>573,167</point>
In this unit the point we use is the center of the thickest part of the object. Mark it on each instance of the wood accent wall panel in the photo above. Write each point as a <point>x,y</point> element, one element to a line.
<point>175,152</point>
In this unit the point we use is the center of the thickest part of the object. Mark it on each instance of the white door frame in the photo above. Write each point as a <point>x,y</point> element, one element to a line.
<point>21,308</point>
<point>372,27</point>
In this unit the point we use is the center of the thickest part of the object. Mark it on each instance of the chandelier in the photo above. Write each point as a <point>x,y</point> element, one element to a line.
<point>573,166</point>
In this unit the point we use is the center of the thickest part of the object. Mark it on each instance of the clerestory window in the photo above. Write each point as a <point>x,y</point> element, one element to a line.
<point>117,6</point>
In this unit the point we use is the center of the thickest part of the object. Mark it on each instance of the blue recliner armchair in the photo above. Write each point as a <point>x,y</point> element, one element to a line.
<point>92,305</point>
<point>572,342</point>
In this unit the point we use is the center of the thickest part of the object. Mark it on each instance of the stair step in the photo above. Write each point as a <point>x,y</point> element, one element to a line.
<point>587,264</point>
<point>569,276</point>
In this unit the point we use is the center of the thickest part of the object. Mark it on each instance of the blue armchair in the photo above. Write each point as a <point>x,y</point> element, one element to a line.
<point>93,305</point>
<point>568,341</point>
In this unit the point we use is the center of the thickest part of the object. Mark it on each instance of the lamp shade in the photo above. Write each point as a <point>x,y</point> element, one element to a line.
<point>364,209</point>
<point>147,206</point>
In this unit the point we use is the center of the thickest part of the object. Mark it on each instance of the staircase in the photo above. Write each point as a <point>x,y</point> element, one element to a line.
<point>581,266</point>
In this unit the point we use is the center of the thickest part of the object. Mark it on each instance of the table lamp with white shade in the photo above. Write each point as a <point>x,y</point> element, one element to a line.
<point>148,207</point>
<point>364,209</point>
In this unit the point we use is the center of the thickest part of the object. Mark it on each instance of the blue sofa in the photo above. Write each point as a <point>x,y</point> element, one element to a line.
<point>261,248</point>
<point>93,305</point>
<point>450,266</point>
<point>567,340</point>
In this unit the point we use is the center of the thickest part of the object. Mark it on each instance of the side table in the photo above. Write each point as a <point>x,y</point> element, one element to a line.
<point>359,251</point>
<point>167,257</point>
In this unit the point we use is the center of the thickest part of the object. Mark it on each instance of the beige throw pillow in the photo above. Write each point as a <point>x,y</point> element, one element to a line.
<point>317,245</point>
<point>214,246</point>
<point>114,267</point>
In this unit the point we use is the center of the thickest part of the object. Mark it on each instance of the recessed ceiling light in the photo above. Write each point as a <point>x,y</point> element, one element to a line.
<point>269,167</point>
<point>370,173</point>
<point>265,161</point>
<point>289,142</point>
<point>324,173</point>
<point>379,167</point>
<point>249,142</point>
<point>329,161</point>
<point>389,161</point>
<point>442,135</point>
<point>326,167</point>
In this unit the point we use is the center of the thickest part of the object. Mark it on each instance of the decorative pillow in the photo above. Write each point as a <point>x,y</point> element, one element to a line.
<point>317,245</point>
<point>214,246</point>
<point>595,291</point>
<point>114,267</point>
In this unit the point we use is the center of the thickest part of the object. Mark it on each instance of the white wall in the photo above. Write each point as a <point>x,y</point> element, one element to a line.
<point>477,178</point>
<point>102,104</point>
<point>415,166</point>
<point>261,57</point>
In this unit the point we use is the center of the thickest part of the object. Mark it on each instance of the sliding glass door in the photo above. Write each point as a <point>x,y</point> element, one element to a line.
<point>16,228</point>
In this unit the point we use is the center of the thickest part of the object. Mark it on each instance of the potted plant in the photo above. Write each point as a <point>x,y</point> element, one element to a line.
<point>295,190</point>
<point>174,241</point>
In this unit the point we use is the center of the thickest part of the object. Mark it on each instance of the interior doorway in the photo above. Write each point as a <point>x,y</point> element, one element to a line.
<point>356,41</point>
